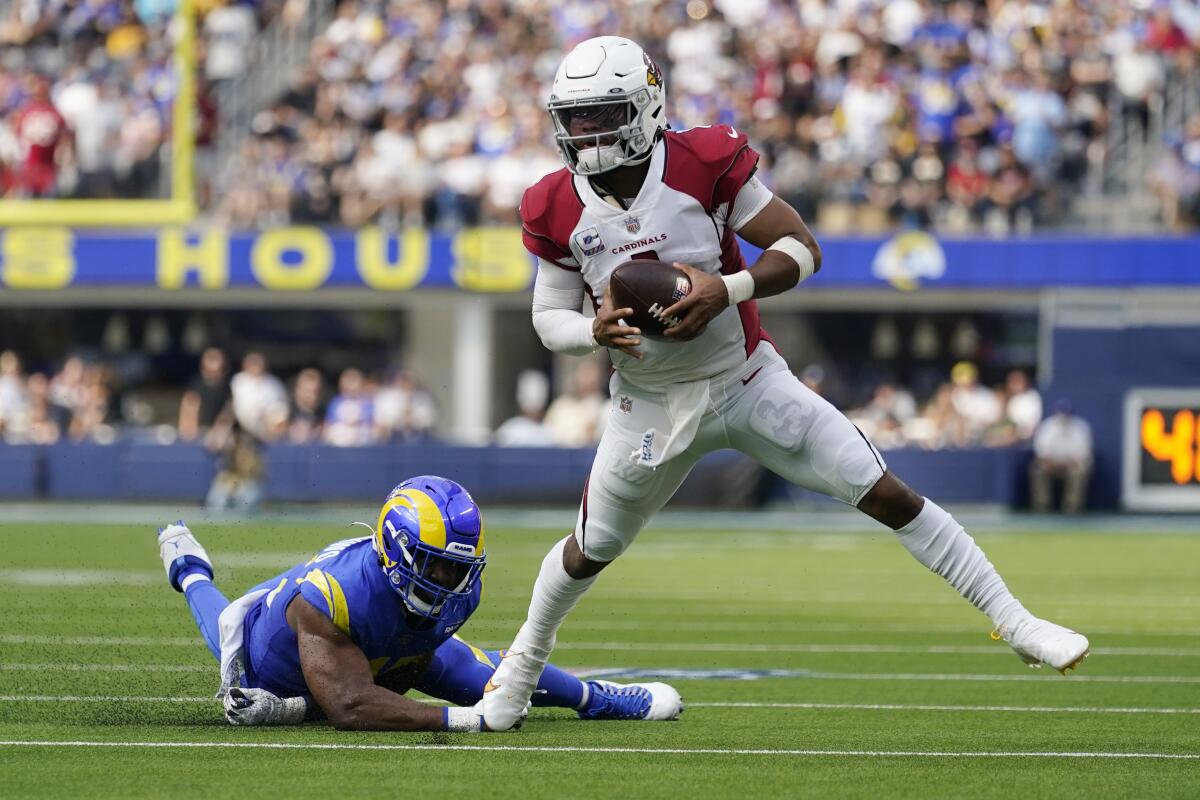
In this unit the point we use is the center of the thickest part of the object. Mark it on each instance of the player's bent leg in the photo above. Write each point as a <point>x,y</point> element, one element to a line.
<point>792,431</point>
<point>891,502</point>
<point>509,689</point>
<point>939,542</point>
<point>459,671</point>
<point>618,498</point>
<point>189,570</point>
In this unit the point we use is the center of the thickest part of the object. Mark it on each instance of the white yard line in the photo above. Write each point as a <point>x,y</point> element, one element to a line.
<point>103,641</point>
<point>98,698</point>
<point>789,626</point>
<point>52,698</point>
<point>67,578</point>
<point>630,750</point>
<point>108,668</point>
<point>756,647</point>
<point>920,707</point>
<point>680,647</point>
<point>844,676</point>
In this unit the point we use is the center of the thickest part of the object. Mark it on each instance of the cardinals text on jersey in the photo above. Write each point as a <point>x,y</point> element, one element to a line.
<point>680,215</point>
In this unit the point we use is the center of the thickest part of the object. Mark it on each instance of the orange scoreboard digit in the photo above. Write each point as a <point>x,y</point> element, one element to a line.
<point>1161,455</point>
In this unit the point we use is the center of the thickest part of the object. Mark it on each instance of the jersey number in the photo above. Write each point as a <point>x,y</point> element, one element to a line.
<point>334,549</point>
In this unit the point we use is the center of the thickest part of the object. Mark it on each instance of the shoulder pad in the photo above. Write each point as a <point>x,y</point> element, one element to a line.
<point>550,210</point>
<point>711,164</point>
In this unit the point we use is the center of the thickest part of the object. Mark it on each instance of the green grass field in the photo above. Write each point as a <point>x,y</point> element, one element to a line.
<point>895,690</point>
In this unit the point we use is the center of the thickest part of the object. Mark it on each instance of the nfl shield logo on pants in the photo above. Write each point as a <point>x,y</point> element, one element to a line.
<point>633,224</point>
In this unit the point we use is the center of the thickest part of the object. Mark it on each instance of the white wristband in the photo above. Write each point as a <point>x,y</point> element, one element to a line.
<point>796,251</point>
<point>463,720</point>
<point>740,286</point>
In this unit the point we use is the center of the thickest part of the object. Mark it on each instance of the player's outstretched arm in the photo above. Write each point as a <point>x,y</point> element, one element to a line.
<point>340,679</point>
<point>790,254</point>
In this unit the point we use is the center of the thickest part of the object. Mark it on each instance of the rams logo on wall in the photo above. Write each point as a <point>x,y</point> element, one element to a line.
<point>907,259</point>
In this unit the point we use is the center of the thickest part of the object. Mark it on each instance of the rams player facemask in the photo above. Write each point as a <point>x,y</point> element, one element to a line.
<point>430,544</point>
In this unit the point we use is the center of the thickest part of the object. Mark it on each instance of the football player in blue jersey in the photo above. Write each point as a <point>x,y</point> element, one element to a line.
<point>347,633</point>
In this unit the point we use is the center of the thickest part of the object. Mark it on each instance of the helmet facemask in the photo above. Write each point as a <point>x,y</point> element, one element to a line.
<point>620,141</point>
<point>429,579</point>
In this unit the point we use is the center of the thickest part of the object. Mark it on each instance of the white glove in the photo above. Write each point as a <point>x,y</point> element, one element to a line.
<point>460,718</point>
<point>260,707</point>
<point>516,726</point>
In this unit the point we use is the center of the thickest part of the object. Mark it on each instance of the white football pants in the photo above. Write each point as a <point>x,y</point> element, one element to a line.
<point>760,408</point>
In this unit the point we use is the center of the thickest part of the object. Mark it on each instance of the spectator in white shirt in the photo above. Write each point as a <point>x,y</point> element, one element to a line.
<point>1062,448</point>
<point>13,398</point>
<point>1024,406</point>
<point>404,410</point>
<point>527,428</point>
<point>260,403</point>
<point>976,404</point>
<point>575,418</point>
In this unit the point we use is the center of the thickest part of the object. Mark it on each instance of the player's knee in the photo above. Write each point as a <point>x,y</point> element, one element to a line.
<point>891,502</point>
<point>580,566</point>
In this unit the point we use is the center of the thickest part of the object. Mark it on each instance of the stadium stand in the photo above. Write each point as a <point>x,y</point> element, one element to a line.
<point>953,116</point>
<point>961,118</point>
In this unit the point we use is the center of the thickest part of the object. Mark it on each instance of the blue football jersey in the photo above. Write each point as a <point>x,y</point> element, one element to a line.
<point>344,581</point>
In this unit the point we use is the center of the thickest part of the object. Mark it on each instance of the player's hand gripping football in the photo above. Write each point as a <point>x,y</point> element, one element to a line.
<point>609,331</point>
<point>700,306</point>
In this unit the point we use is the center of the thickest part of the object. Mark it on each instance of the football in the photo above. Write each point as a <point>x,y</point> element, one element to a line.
<point>649,288</point>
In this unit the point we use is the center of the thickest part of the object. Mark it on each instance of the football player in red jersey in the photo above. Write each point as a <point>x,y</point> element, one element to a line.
<point>633,188</point>
<point>41,130</point>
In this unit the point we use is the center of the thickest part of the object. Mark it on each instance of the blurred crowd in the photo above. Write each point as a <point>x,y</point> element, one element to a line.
<point>87,401</point>
<point>86,88</point>
<point>952,115</point>
<point>234,413</point>
<point>957,116</point>
<point>962,412</point>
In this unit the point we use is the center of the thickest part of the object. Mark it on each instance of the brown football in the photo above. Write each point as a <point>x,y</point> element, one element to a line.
<point>649,288</point>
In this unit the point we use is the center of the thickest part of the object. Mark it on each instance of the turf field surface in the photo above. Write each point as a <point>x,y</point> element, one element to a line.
<point>811,664</point>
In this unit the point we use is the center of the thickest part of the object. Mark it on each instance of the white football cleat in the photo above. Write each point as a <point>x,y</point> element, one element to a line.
<point>646,701</point>
<point>506,694</point>
<point>1039,641</point>
<point>181,553</point>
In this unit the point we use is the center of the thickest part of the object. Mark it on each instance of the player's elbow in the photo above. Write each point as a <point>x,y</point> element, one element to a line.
<point>348,713</point>
<point>352,719</point>
<point>543,325</point>
<point>813,247</point>
<point>343,717</point>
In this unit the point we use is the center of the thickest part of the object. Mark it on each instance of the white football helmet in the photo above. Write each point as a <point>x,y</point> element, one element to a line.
<point>613,85</point>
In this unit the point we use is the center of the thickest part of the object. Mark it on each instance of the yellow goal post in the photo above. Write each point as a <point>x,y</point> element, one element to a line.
<point>180,207</point>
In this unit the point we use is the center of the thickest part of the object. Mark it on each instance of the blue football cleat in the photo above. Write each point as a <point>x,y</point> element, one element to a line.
<point>181,554</point>
<point>648,701</point>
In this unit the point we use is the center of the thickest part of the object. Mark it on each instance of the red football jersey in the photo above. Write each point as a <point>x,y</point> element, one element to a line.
<point>680,214</point>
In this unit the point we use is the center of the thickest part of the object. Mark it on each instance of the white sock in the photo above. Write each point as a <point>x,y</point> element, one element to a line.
<point>555,593</point>
<point>191,578</point>
<point>936,540</point>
